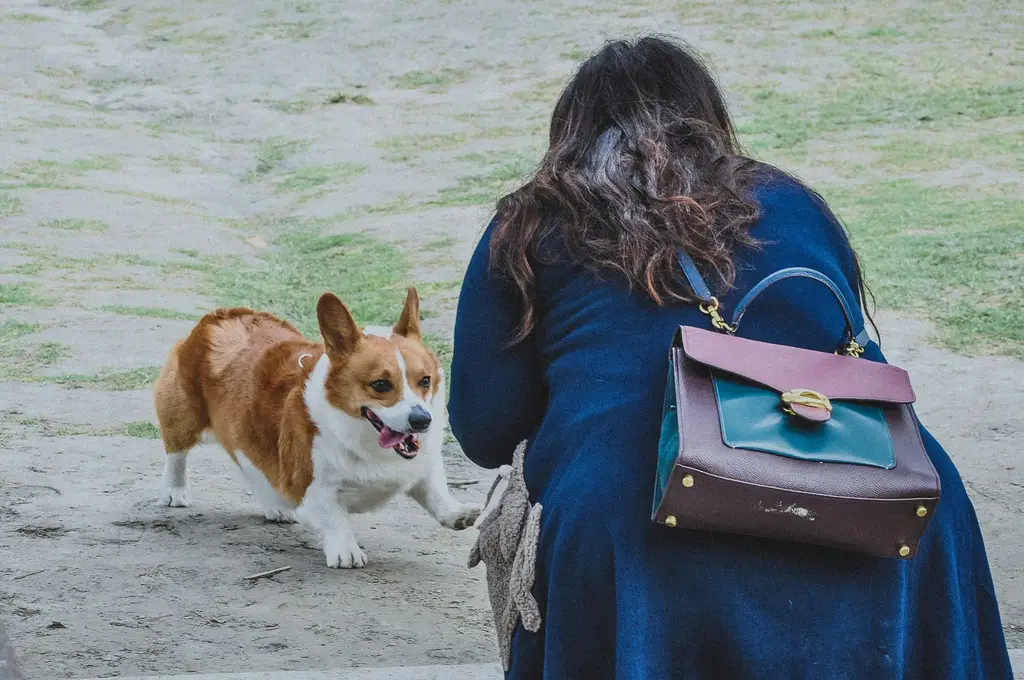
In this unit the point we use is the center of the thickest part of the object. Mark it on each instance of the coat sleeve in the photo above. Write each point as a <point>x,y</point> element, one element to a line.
<point>497,395</point>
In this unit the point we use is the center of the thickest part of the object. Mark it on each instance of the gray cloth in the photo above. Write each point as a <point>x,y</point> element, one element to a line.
<point>507,545</point>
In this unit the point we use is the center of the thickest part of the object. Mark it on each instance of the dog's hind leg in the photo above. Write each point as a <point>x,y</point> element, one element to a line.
<point>182,420</point>
<point>432,493</point>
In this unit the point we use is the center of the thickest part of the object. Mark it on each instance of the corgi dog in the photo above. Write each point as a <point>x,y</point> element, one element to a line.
<point>320,431</point>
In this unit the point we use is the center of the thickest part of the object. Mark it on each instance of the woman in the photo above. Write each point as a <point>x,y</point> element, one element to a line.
<point>564,323</point>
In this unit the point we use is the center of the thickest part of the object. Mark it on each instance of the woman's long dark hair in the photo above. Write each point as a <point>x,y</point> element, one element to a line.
<point>643,161</point>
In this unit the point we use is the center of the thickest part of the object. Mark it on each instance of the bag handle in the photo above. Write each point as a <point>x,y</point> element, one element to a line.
<point>853,340</point>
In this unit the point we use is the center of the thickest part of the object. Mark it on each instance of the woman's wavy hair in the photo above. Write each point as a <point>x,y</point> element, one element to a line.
<point>643,161</point>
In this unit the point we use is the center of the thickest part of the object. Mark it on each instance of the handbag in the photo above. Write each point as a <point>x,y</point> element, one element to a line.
<point>779,442</point>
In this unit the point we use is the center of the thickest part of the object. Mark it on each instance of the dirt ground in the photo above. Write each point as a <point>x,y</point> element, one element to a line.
<point>138,136</point>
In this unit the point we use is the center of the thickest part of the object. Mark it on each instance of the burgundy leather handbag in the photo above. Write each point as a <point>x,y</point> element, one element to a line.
<point>779,442</point>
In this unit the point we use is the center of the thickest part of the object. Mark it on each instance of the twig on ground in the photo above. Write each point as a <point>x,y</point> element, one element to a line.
<point>460,485</point>
<point>18,578</point>
<point>266,574</point>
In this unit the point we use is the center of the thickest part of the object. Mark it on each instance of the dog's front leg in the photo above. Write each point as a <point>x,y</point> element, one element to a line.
<point>432,493</point>
<point>322,509</point>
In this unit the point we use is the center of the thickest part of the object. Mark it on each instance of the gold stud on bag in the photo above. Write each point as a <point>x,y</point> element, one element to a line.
<point>788,443</point>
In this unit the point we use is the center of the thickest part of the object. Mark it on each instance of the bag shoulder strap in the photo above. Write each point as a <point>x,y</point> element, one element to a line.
<point>693,277</point>
<point>709,304</point>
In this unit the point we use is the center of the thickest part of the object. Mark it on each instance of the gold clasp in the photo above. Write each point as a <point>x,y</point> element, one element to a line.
<point>804,397</point>
<point>852,349</point>
<point>711,309</point>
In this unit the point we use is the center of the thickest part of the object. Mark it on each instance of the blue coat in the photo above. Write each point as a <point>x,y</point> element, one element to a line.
<point>627,599</point>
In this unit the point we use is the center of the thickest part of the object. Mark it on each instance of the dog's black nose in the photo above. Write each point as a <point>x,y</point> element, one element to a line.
<point>419,419</point>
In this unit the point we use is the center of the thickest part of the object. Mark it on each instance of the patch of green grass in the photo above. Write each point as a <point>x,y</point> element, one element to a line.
<point>442,347</point>
<point>111,380</point>
<point>318,176</point>
<point>49,353</point>
<point>12,330</point>
<point>271,152</point>
<point>301,105</point>
<point>22,294</point>
<point>90,283</point>
<point>303,264</point>
<point>479,189</point>
<point>399,205</point>
<point>160,23</point>
<point>157,128</point>
<point>883,32</point>
<point>44,427</point>
<point>20,361</point>
<point>59,99</point>
<point>431,289</point>
<point>180,267</point>
<point>287,30</point>
<point>33,268</point>
<point>54,72</point>
<point>42,175</point>
<point>76,224</point>
<point>546,91</point>
<point>344,98</point>
<point>149,196</point>
<point>46,259</point>
<point>782,120</point>
<point>924,153</point>
<point>957,259</point>
<point>441,244</point>
<point>575,54</point>
<point>26,18</point>
<point>404,148</point>
<point>141,429</point>
<point>150,312</point>
<point>81,5</point>
<point>200,41</point>
<point>97,163</point>
<point>819,33</point>
<point>442,78</point>
<point>9,205</point>
<point>60,122</point>
<point>123,259</point>
<point>56,175</point>
<point>176,163</point>
<point>187,252</point>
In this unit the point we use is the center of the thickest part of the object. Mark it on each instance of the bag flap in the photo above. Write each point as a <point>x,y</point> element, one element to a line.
<point>785,368</point>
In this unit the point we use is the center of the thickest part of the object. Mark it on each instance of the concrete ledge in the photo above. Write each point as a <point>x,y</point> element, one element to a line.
<point>1017,659</point>
<point>464,672</point>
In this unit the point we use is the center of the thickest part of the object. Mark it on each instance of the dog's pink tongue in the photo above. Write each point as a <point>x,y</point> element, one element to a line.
<point>389,438</point>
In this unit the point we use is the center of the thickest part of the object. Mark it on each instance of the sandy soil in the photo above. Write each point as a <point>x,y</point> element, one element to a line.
<point>96,580</point>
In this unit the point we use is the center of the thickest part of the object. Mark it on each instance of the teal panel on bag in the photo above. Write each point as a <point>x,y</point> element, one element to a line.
<point>668,443</point>
<point>752,418</point>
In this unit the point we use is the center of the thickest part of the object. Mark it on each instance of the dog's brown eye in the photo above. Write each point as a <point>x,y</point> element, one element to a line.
<point>381,386</point>
<point>425,382</point>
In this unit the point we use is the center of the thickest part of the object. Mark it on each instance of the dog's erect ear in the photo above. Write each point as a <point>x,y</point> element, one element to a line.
<point>409,323</point>
<point>336,324</point>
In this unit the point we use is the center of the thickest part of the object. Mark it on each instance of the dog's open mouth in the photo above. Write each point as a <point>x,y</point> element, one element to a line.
<point>406,445</point>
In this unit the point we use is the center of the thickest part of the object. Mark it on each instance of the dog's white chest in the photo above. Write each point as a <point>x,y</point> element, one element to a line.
<point>364,484</point>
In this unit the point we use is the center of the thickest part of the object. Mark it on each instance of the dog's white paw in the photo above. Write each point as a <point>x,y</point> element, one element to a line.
<point>280,515</point>
<point>344,553</point>
<point>175,496</point>
<point>463,517</point>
